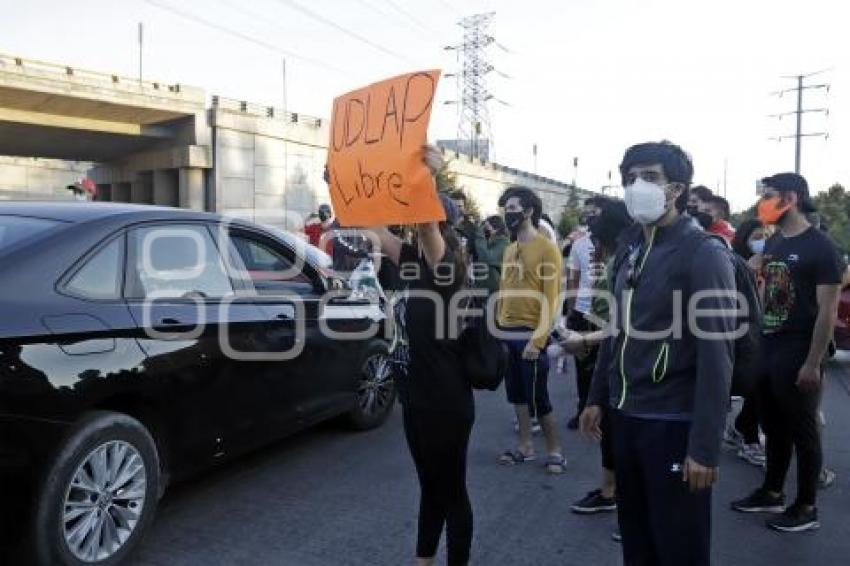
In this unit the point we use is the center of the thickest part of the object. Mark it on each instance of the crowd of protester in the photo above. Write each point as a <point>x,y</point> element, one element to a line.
<point>687,335</point>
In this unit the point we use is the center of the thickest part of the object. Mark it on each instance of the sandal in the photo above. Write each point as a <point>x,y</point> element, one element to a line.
<point>513,457</point>
<point>556,464</point>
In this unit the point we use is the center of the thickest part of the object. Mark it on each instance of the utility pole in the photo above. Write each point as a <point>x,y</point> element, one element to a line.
<point>798,113</point>
<point>605,188</point>
<point>534,153</point>
<point>284,87</point>
<point>474,133</point>
<point>575,170</point>
<point>141,42</point>
<point>799,124</point>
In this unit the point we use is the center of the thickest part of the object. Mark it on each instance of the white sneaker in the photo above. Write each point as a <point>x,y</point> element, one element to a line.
<point>826,478</point>
<point>753,454</point>
<point>732,438</point>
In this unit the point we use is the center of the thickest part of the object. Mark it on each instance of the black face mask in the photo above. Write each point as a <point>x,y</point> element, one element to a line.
<point>692,211</point>
<point>586,219</point>
<point>324,216</point>
<point>513,221</point>
<point>705,220</point>
<point>488,233</point>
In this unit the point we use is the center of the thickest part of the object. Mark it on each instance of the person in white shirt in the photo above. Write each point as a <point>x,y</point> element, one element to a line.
<point>579,294</point>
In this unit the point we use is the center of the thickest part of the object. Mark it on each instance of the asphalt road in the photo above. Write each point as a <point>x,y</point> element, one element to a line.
<point>332,497</point>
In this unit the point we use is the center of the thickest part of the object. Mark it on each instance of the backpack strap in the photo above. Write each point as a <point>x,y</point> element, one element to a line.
<point>687,250</point>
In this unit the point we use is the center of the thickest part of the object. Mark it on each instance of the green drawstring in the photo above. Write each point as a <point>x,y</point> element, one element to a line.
<point>663,354</point>
<point>629,294</point>
<point>623,349</point>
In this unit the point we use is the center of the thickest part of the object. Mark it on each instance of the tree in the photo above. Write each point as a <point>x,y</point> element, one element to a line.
<point>834,209</point>
<point>739,217</point>
<point>446,179</point>
<point>570,215</point>
<point>447,184</point>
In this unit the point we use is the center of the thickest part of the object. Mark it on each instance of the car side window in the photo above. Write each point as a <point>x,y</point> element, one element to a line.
<point>268,270</point>
<point>100,276</point>
<point>176,261</point>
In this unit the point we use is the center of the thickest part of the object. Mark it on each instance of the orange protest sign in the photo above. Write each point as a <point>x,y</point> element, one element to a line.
<point>375,168</point>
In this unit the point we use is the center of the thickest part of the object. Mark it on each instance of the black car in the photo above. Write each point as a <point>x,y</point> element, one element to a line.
<point>141,344</point>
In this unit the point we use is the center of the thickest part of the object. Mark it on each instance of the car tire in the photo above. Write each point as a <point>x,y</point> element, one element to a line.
<point>376,390</point>
<point>105,481</point>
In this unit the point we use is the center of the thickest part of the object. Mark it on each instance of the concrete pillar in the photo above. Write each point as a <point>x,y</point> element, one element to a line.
<point>165,187</point>
<point>141,190</point>
<point>191,188</point>
<point>120,192</point>
<point>104,192</point>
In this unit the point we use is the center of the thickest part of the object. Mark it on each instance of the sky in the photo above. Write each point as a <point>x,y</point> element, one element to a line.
<point>587,78</point>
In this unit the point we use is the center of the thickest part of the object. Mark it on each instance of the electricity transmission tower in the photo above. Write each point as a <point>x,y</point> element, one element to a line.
<point>798,113</point>
<point>474,133</point>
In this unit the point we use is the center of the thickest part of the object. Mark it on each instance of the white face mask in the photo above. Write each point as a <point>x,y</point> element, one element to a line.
<point>757,246</point>
<point>645,201</point>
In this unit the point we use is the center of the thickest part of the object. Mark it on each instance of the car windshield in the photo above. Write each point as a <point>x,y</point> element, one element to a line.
<point>313,254</point>
<point>15,229</point>
<point>363,280</point>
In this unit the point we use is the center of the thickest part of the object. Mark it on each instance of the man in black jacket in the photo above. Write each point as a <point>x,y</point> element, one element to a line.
<point>665,371</point>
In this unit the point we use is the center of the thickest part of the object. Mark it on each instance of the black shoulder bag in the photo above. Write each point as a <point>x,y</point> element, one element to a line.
<point>484,357</point>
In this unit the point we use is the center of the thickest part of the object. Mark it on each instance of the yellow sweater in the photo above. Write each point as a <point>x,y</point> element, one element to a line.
<point>534,269</point>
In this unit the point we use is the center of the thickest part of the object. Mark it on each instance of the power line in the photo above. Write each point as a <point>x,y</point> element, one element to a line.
<point>411,17</point>
<point>244,37</point>
<point>374,8</point>
<point>449,6</point>
<point>334,25</point>
<point>395,17</point>
<point>256,16</point>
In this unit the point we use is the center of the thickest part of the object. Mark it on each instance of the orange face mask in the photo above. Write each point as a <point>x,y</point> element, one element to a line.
<point>770,210</point>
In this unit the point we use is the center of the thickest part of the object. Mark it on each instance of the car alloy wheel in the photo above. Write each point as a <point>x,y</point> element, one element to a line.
<point>376,386</point>
<point>104,501</point>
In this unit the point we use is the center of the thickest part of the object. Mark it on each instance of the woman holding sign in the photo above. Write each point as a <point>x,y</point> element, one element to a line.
<point>436,397</point>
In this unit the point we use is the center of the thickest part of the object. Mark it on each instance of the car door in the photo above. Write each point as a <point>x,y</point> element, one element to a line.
<point>94,352</point>
<point>180,294</point>
<point>318,380</point>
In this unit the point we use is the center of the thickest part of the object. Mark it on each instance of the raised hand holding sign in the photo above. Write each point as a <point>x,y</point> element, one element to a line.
<point>376,171</point>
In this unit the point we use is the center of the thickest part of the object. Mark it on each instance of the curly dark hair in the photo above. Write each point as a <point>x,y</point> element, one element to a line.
<point>528,199</point>
<point>676,164</point>
<point>606,229</point>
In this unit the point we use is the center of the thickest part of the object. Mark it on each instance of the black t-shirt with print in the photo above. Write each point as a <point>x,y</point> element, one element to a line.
<point>793,268</point>
<point>429,372</point>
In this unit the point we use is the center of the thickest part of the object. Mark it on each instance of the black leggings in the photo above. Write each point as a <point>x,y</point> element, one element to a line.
<point>438,442</point>
<point>747,421</point>
<point>606,443</point>
<point>584,366</point>
<point>790,419</point>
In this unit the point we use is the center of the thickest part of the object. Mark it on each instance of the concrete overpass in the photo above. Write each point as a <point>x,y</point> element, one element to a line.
<point>59,112</point>
<point>162,144</point>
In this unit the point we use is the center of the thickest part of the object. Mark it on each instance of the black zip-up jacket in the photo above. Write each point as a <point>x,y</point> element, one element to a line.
<point>672,374</point>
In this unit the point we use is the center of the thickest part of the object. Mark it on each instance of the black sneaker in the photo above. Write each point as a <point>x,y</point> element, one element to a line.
<point>594,502</point>
<point>795,519</point>
<point>760,501</point>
